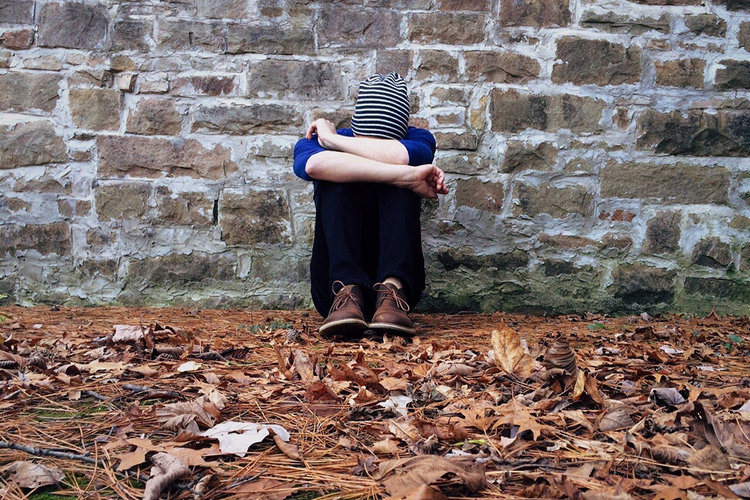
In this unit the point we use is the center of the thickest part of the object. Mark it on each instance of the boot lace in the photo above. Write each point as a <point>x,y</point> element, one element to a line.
<point>390,292</point>
<point>342,296</point>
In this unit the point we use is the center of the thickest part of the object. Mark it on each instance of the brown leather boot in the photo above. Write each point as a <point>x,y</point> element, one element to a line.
<point>390,310</point>
<point>345,317</point>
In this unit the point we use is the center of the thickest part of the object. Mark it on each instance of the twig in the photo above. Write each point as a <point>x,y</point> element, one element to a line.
<point>32,450</point>
<point>155,393</point>
<point>246,479</point>
<point>96,395</point>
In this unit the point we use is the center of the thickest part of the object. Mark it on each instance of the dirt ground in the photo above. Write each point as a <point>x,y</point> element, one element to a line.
<point>579,406</point>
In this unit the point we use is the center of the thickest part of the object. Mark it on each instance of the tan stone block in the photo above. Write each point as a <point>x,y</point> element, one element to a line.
<point>95,109</point>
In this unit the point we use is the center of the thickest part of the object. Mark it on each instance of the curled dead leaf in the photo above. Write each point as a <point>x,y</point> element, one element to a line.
<point>510,356</point>
<point>560,355</point>
<point>189,415</point>
<point>127,333</point>
<point>29,475</point>
<point>288,448</point>
<point>402,476</point>
<point>166,470</point>
<point>617,419</point>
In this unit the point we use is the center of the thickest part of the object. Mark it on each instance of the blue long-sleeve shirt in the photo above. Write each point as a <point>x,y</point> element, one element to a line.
<point>419,143</point>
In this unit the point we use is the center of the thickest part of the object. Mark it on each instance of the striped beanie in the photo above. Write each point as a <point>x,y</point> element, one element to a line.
<point>382,108</point>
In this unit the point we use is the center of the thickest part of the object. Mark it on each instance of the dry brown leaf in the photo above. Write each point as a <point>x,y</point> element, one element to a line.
<point>131,459</point>
<point>709,458</point>
<point>423,492</point>
<point>402,476</point>
<point>29,475</point>
<point>127,333</point>
<point>289,449</point>
<point>510,355</point>
<point>304,366</point>
<point>580,385</point>
<point>387,445</point>
<point>617,419</point>
<point>560,355</point>
<point>404,431</point>
<point>514,413</point>
<point>189,415</point>
<point>166,470</point>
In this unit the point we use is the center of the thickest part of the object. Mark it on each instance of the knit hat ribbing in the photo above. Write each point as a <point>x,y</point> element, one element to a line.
<point>382,108</point>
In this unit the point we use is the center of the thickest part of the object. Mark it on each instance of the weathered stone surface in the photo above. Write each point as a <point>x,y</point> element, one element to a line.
<point>192,208</point>
<point>485,196</point>
<point>663,233</point>
<point>535,13</point>
<point>642,284</point>
<point>442,96</point>
<point>712,252</point>
<point>744,36</point>
<point>190,86</point>
<point>500,67</point>
<point>132,34</point>
<point>253,218</point>
<point>734,75</point>
<point>72,208</point>
<point>154,116</point>
<point>669,2</point>
<point>17,40</point>
<point>554,267</point>
<point>725,133</point>
<point>27,91</point>
<point>522,156</point>
<point>741,223</point>
<point>295,79</point>
<point>245,119</point>
<point>17,11</point>
<point>399,61</point>
<point>466,141</point>
<point>511,111</point>
<point>355,27</point>
<point>435,64</point>
<point>72,25</point>
<point>616,23</point>
<point>43,184</point>
<point>679,183</point>
<point>220,9</point>
<point>475,5</point>
<point>737,290</point>
<point>452,258</point>
<point>448,28</point>
<point>29,141</point>
<point>556,202</point>
<point>151,157</point>
<point>614,241</point>
<point>179,34</point>
<point>680,73</point>
<point>181,269</point>
<point>596,62</point>
<point>95,109</point>
<point>706,24</point>
<point>745,258</point>
<point>467,164</point>
<point>565,241</point>
<point>45,239</point>
<point>735,4</point>
<point>121,201</point>
<point>244,38</point>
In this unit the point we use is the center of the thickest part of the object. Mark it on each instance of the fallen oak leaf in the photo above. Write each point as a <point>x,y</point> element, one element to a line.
<point>509,354</point>
<point>401,476</point>
<point>513,413</point>
<point>166,470</point>
<point>127,333</point>
<point>30,475</point>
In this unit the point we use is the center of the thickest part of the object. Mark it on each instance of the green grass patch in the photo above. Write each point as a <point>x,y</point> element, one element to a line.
<point>266,327</point>
<point>53,413</point>
<point>597,326</point>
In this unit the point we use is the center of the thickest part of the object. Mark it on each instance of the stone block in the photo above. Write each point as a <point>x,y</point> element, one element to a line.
<point>153,84</point>
<point>485,196</point>
<point>446,28</point>
<point>190,208</point>
<point>679,183</point>
<point>614,241</point>
<point>473,5</point>
<point>641,284</point>
<point>182,34</point>
<point>132,34</point>
<point>735,4</point>
<point>192,86</point>
<point>565,241</point>
<point>17,11</point>
<point>663,232</point>
<point>668,2</point>
<point>95,109</point>
<point>181,269</point>
<point>734,75</point>
<point>596,62</point>
<point>17,40</point>
<point>434,64</point>
<point>254,218</point>
<point>5,59</point>
<point>125,83</point>
<point>535,13</point>
<point>355,27</point>
<point>618,23</point>
<point>28,91</point>
<point>121,201</point>
<point>442,96</point>
<point>277,40</point>
<point>45,239</point>
<point>73,25</point>
<point>452,258</point>
<point>680,73</point>
<point>399,61</point>
<point>246,119</point>
<point>222,9</point>
<point>522,156</point>
<point>295,79</point>
<point>500,67</point>
<point>43,184</point>
<point>153,157</point>
<point>466,164</point>
<point>744,36</point>
<point>556,202</point>
<point>466,141</point>
<point>724,133</point>
<point>47,63</point>
<point>718,288</point>
<point>512,111</point>
<point>740,223</point>
<point>26,140</point>
<point>154,116</point>
<point>73,208</point>
<point>712,252</point>
<point>706,24</point>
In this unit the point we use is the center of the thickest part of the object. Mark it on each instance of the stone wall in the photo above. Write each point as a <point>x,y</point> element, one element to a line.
<point>596,151</point>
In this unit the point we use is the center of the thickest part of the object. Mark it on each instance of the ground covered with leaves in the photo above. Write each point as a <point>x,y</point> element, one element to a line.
<point>143,403</point>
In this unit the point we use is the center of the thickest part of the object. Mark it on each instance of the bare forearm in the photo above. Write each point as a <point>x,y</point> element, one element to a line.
<point>338,166</point>
<point>384,150</point>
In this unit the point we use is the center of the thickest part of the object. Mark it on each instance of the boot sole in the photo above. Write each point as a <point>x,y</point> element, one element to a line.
<point>403,330</point>
<point>343,327</point>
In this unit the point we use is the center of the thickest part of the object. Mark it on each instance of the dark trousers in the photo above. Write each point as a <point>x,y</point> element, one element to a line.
<point>365,232</point>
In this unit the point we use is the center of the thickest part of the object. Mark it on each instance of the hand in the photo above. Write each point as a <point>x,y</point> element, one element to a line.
<point>428,181</point>
<point>325,129</point>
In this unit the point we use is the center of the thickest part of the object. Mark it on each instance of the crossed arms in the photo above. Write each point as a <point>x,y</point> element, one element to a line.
<point>368,159</point>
